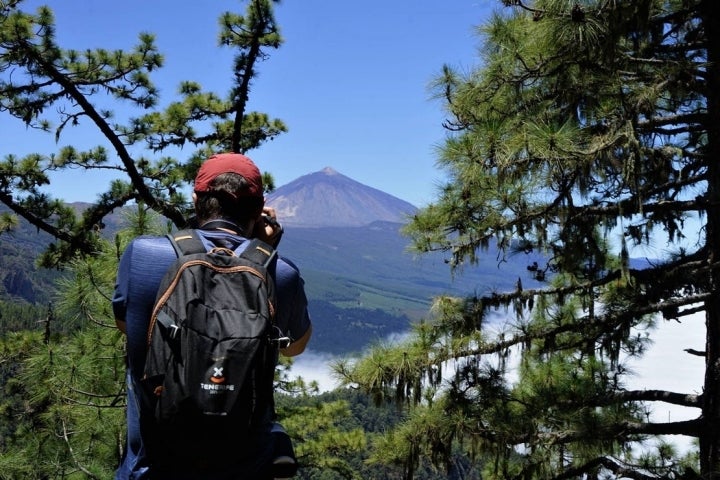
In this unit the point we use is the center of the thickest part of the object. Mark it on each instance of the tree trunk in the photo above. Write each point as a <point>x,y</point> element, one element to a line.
<point>710,432</point>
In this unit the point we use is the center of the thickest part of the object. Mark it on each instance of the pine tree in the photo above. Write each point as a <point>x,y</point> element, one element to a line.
<point>589,128</point>
<point>52,89</point>
<point>62,396</point>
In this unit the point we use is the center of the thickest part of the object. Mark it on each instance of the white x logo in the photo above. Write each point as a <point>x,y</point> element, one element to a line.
<point>218,372</point>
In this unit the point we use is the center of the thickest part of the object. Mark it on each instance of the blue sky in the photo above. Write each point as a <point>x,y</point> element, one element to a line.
<point>351,81</point>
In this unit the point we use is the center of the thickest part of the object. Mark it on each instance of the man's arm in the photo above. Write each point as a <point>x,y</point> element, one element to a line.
<point>298,346</point>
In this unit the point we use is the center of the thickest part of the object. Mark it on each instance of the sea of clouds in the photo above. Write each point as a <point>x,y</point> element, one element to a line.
<point>665,366</point>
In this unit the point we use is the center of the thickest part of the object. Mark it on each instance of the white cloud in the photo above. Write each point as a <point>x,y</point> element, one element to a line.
<point>315,366</point>
<point>665,366</point>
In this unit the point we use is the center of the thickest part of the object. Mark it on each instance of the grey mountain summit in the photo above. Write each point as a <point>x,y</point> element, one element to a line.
<point>330,199</point>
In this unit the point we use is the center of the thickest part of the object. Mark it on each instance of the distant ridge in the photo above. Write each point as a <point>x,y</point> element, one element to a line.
<point>329,199</point>
<point>362,283</point>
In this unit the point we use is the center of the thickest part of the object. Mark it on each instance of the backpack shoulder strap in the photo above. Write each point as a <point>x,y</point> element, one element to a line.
<point>259,252</point>
<point>186,242</point>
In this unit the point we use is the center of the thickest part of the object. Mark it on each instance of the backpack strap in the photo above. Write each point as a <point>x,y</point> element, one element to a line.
<point>263,254</point>
<point>259,252</point>
<point>185,242</point>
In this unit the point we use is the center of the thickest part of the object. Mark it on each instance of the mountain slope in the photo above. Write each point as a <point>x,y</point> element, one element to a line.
<point>364,286</point>
<point>361,282</point>
<point>330,199</point>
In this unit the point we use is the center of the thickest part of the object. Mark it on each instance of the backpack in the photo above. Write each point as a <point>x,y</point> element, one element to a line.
<point>212,347</point>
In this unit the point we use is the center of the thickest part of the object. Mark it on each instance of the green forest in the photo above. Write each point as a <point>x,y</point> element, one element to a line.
<point>588,128</point>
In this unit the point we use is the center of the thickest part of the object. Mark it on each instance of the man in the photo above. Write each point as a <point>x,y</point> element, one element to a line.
<point>229,208</point>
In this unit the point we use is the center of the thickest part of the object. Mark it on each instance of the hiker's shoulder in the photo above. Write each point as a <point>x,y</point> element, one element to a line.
<point>287,266</point>
<point>287,274</point>
<point>147,247</point>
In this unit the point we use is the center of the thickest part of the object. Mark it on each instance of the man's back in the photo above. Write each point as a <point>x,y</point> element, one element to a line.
<point>141,270</point>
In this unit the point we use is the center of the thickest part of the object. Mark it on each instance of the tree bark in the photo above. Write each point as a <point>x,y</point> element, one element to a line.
<point>710,431</point>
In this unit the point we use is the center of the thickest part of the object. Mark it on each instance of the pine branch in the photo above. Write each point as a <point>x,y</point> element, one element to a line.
<point>33,219</point>
<point>613,464</point>
<point>630,206</point>
<point>130,168</point>
<point>600,323</point>
<point>248,72</point>
<point>71,90</point>
<point>674,398</point>
<point>689,428</point>
<point>113,404</point>
<point>620,431</point>
<point>682,399</point>
<point>73,456</point>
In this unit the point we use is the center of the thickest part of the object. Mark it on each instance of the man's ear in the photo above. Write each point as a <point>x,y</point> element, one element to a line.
<point>194,198</point>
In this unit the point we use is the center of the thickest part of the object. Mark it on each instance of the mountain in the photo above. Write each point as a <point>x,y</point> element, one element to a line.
<point>330,199</point>
<point>362,283</point>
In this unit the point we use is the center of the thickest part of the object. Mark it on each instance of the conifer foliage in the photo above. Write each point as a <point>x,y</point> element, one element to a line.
<point>52,89</point>
<point>588,129</point>
<point>62,395</point>
<point>62,386</point>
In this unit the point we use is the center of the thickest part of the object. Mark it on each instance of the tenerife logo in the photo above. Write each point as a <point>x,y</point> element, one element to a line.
<point>217,381</point>
<point>217,376</point>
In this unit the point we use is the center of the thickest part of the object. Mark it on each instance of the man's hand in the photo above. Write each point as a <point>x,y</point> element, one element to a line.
<point>267,228</point>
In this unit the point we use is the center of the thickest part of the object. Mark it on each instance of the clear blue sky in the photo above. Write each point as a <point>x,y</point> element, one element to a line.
<point>351,80</point>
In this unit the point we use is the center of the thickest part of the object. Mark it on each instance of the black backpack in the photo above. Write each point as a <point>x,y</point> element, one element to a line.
<point>212,350</point>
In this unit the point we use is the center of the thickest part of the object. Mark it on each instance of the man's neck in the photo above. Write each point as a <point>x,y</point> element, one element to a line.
<point>222,224</point>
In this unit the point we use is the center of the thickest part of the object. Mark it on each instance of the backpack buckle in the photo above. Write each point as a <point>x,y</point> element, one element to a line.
<point>175,330</point>
<point>169,323</point>
<point>282,340</point>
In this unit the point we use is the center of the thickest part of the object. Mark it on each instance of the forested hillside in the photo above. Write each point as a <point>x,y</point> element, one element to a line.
<point>362,282</point>
<point>21,280</point>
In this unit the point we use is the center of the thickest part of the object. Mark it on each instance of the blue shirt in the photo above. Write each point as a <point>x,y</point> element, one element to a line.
<point>142,266</point>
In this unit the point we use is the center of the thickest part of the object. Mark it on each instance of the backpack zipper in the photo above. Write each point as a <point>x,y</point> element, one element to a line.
<point>236,268</point>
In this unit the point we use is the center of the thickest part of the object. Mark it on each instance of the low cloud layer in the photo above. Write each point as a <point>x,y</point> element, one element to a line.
<point>665,366</point>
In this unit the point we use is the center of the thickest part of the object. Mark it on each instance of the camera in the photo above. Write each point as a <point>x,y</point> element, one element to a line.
<point>277,229</point>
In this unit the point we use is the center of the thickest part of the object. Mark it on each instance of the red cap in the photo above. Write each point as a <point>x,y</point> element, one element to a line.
<point>230,163</point>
